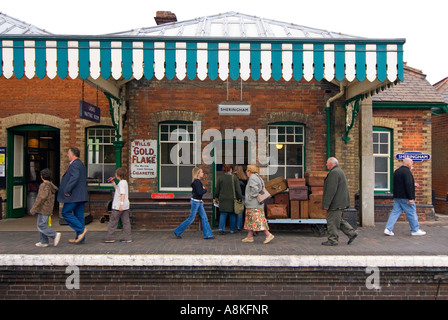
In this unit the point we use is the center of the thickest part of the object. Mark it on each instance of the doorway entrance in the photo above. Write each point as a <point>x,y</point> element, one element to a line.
<point>234,152</point>
<point>30,148</point>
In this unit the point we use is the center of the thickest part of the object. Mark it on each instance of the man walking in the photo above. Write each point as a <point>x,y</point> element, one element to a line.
<point>335,199</point>
<point>73,193</point>
<point>404,199</point>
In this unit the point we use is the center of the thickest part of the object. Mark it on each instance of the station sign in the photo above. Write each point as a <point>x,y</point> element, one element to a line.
<point>414,156</point>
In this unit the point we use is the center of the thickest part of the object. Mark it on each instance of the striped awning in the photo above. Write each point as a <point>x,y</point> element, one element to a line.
<point>158,58</point>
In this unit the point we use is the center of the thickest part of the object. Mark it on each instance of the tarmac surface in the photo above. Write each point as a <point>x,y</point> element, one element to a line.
<point>18,237</point>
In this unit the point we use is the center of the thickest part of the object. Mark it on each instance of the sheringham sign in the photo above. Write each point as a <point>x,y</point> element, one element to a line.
<point>234,109</point>
<point>413,155</point>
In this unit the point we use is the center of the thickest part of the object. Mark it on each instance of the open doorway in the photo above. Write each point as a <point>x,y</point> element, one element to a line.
<point>30,149</point>
<point>234,152</point>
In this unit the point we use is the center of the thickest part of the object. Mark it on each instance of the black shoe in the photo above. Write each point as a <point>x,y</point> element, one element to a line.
<point>222,233</point>
<point>350,240</point>
<point>178,237</point>
<point>212,237</point>
<point>328,243</point>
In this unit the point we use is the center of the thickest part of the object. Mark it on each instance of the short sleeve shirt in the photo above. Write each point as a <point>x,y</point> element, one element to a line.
<point>122,188</point>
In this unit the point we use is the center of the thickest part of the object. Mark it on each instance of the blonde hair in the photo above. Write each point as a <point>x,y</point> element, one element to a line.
<point>195,173</point>
<point>252,168</point>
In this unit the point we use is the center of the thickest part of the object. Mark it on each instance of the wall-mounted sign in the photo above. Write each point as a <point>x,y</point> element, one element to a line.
<point>413,155</point>
<point>144,159</point>
<point>89,111</point>
<point>234,109</point>
<point>2,168</point>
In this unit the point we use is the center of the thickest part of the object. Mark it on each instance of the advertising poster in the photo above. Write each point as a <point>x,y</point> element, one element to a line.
<point>144,159</point>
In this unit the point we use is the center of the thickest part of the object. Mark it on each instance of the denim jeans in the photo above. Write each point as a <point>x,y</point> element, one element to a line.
<point>73,213</point>
<point>223,218</point>
<point>44,230</point>
<point>401,205</point>
<point>195,207</point>
<point>239,221</point>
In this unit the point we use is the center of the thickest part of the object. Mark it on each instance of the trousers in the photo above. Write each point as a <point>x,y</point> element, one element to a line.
<point>336,222</point>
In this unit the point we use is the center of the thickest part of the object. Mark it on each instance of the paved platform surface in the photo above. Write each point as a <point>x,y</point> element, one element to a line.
<point>370,242</point>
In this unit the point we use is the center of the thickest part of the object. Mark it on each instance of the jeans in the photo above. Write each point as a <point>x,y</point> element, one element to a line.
<point>223,218</point>
<point>401,205</point>
<point>73,213</point>
<point>44,230</point>
<point>239,221</point>
<point>195,207</point>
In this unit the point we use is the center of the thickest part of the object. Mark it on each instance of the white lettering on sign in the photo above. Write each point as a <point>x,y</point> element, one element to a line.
<point>144,159</point>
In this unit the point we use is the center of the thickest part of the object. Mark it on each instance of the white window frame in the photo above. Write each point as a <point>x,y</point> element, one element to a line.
<point>378,154</point>
<point>171,136</point>
<point>107,140</point>
<point>282,140</point>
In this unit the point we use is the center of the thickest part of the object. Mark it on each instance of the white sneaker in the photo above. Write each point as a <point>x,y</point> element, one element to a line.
<point>42,245</point>
<point>57,238</point>
<point>419,232</point>
<point>387,232</point>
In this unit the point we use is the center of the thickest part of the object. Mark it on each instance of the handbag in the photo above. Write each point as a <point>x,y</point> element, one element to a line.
<point>238,205</point>
<point>263,194</point>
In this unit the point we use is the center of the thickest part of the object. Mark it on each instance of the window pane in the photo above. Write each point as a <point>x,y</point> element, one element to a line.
<point>109,154</point>
<point>381,181</point>
<point>168,177</point>
<point>185,176</point>
<point>165,150</point>
<point>95,171</point>
<point>384,149</point>
<point>292,171</point>
<point>293,154</point>
<point>381,164</point>
<point>384,138</point>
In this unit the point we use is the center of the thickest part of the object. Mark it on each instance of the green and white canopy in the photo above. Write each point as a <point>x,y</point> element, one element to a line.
<point>230,45</point>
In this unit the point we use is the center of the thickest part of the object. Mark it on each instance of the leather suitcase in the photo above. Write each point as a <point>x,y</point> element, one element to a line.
<point>315,210</point>
<point>276,185</point>
<point>304,211</point>
<point>295,209</point>
<point>277,211</point>
<point>315,178</point>
<point>297,189</point>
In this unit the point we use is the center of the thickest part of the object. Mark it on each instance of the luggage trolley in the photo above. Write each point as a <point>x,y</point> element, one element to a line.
<point>305,207</point>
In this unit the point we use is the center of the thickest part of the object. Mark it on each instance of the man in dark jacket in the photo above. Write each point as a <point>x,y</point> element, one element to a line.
<point>73,193</point>
<point>404,200</point>
<point>336,198</point>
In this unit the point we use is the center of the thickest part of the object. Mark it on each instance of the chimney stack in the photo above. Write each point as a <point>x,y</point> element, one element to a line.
<point>163,17</point>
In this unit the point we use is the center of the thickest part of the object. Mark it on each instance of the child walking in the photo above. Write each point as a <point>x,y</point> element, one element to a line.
<point>198,191</point>
<point>120,209</point>
<point>43,207</point>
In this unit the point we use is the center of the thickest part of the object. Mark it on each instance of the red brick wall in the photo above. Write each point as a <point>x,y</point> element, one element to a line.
<point>439,156</point>
<point>411,132</point>
<point>152,102</point>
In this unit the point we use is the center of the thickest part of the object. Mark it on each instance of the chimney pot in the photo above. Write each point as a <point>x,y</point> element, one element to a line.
<point>163,17</point>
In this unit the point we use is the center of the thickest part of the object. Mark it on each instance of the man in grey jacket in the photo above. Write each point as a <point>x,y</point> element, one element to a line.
<point>335,199</point>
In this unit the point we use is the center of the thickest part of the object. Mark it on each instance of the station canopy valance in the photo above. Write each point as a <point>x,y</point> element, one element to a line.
<point>245,46</point>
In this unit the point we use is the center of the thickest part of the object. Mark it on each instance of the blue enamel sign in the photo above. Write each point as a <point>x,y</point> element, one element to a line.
<point>414,156</point>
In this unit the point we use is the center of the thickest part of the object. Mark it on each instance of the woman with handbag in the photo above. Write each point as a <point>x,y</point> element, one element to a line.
<point>255,217</point>
<point>228,192</point>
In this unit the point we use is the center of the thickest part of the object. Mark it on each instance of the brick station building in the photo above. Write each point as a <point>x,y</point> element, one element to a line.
<point>323,93</point>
